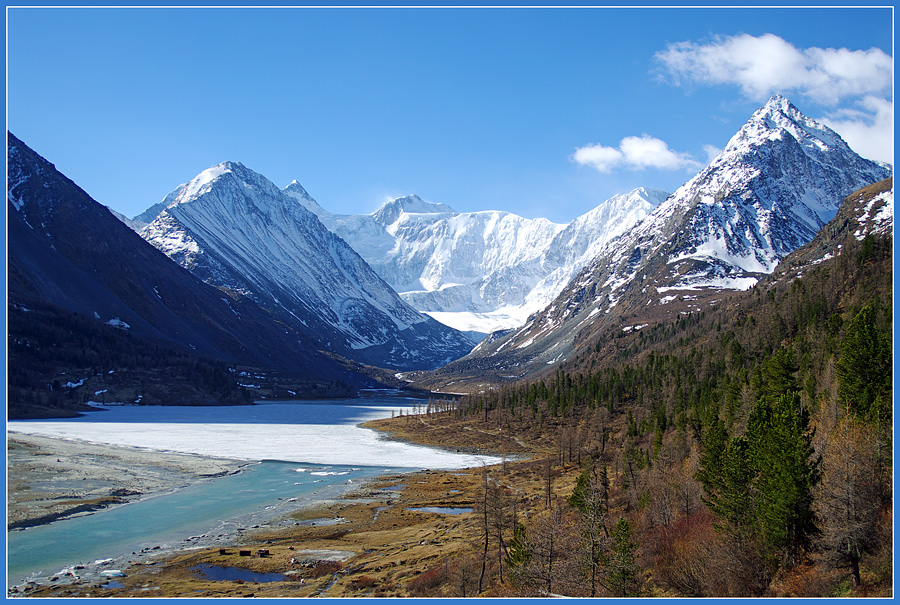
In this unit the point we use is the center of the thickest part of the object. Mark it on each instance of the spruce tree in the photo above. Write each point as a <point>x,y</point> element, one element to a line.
<point>864,367</point>
<point>781,451</point>
<point>622,575</point>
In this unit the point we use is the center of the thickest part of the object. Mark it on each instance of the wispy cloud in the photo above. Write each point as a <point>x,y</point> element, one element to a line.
<point>856,83</point>
<point>711,152</point>
<point>634,153</point>
<point>869,131</point>
<point>762,65</point>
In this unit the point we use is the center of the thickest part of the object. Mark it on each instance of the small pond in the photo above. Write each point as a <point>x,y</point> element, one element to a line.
<point>218,573</point>
<point>441,510</point>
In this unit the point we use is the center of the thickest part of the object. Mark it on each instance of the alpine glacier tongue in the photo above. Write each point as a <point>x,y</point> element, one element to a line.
<point>774,186</point>
<point>235,229</point>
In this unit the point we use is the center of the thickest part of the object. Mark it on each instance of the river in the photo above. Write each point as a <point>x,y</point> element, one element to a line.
<point>307,452</point>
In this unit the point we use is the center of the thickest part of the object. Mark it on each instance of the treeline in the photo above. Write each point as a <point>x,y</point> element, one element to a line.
<point>744,450</point>
<point>49,348</point>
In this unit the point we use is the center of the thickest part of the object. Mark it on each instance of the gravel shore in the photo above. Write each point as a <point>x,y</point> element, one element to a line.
<point>50,478</point>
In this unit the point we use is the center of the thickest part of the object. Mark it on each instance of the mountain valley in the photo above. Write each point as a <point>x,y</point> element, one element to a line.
<point>691,392</point>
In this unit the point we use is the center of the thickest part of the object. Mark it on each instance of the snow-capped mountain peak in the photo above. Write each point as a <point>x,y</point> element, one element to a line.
<point>410,204</point>
<point>488,270</point>
<point>234,228</point>
<point>778,181</point>
<point>297,192</point>
<point>779,116</point>
<point>235,173</point>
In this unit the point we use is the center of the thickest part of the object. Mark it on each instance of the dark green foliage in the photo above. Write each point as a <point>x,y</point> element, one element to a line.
<point>777,376</point>
<point>786,471</point>
<point>744,378</point>
<point>864,367</point>
<point>622,576</point>
<point>726,473</point>
<point>518,552</point>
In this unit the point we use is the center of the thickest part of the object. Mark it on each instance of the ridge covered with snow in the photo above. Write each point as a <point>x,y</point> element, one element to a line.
<point>480,271</point>
<point>778,181</point>
<point>235,229</point>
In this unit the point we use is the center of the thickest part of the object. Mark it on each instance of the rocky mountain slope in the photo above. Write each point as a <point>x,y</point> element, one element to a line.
<point>773,187</point>
<point>76,273</point>
<point>867,213</point>
<point>235,229</point>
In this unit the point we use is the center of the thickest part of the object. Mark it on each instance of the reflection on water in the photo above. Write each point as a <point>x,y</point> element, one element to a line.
<point>441,510</point>
<point>235,574</point>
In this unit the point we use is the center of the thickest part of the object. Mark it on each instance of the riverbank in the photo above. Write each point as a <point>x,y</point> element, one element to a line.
<point>371,542</point>
<point>50,478</point>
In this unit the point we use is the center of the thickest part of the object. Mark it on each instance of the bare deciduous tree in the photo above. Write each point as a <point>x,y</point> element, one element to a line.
<point>848,496</point>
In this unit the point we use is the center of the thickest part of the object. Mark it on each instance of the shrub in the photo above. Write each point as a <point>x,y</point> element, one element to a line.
<point>427,583</point>
<point>324,568</point>
<point>364,582</point>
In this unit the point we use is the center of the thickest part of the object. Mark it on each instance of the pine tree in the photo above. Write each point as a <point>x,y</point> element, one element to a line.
<point>778,374</point>
<point>864,367</point>
<point>519,551</point>
<point>781,451</point>
<point>622,577</point>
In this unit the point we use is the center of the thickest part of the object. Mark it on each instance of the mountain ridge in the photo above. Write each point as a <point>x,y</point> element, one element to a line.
<point>764,195</point>
<point>485,270</point>
<point>72,262</point>
<point>234,228</point>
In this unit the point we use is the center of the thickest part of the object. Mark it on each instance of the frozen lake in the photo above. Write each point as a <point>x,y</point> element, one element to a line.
<point>320,432</point>
<point>286,435</point>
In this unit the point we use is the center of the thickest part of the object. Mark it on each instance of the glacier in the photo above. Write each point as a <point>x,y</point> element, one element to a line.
<point>479,271</point>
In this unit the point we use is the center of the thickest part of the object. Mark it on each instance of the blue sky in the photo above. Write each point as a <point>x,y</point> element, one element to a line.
<point>542,112</point>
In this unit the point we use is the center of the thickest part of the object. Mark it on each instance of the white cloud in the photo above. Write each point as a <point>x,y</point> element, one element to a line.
<point>711,152</point>
<point>763,65</point>
<point>869,131</point>
<point>634,153</point>
<point>602,158</point>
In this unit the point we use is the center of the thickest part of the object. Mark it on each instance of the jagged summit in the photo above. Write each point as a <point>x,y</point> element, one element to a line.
<point>296,191</point>
<point>235,229</point>
<point>778,116</point>
<point>778,181</point>
<point>233,172</point>
<point>488,270</point>
<point>410,204</point>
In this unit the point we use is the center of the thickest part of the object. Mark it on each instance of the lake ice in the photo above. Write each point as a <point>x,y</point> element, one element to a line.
<point>322,432</point>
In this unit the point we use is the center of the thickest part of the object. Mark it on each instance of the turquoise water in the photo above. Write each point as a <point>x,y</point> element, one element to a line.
<point>320,434</point>
<point>212,507</point>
